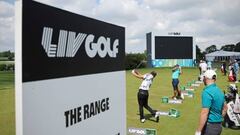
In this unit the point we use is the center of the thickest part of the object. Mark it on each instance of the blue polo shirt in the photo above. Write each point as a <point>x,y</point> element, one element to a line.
<point>235,67</point>
<point>176,74</point>
<point>213,98</point>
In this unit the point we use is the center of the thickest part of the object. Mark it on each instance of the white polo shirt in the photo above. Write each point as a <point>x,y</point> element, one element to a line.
<point>203,66</point>
<point>147,81</point>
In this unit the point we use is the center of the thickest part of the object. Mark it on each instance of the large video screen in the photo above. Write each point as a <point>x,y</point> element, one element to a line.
<point>170,47</point>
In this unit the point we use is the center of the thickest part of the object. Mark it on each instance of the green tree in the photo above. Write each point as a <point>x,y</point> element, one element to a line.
<point>199,54</point>
<point>5,53</point>
<point>11,57</point>
<point>237,47</point>
<point>8,55</point>
<point>230,47</point>
<point>210,49</point>
<point>133,59</point>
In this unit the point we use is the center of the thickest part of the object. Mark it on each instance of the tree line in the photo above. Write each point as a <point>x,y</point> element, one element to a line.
<point>133,59</point>
<point>8,55</point>
<point>5,57</point>
<point>212,48</point>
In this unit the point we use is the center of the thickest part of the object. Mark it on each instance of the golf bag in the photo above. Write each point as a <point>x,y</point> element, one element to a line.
<point>232,119</point>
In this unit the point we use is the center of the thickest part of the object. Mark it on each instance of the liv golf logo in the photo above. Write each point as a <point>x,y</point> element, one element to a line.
<point>69,43</point>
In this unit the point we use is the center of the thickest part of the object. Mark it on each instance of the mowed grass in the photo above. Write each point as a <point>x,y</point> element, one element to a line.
<point>3,58</point>
<point>7,105</point>
<point>6,62</point>
<point>187,123</point>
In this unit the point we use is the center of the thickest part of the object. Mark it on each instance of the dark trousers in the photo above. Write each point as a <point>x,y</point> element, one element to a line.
<point>224,71</point>
<point>175,83</point>
<point>143,102</point>
<point>212,129</point>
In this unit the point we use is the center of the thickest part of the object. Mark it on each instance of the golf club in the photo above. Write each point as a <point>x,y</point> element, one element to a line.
<point>140,63</point>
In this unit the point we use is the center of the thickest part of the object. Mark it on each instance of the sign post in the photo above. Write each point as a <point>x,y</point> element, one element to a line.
<point>70,76</point>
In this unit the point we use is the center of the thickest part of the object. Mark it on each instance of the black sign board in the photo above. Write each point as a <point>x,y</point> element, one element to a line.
<point>57,43</point>
<point>173,47</point>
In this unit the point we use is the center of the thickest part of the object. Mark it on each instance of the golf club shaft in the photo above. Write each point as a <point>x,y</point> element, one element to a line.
<point>139,65</point>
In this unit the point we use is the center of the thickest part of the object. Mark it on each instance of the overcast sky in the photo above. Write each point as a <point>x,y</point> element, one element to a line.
<point>208,21</point>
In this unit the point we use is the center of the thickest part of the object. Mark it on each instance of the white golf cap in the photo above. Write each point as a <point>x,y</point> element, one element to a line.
<point>209,74</point>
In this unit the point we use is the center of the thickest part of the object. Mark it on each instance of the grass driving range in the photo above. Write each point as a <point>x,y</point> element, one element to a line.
<point>7,105</point>
<point>186,124</point>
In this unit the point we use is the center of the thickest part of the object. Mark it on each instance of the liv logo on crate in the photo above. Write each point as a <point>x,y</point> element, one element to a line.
<point>69,43</point>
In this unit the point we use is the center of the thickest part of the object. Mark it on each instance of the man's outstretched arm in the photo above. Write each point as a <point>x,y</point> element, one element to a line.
<point>137,74</point>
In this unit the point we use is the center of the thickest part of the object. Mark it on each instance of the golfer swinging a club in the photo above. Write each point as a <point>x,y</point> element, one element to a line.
<point>176,71</point>
<point>143,93</point>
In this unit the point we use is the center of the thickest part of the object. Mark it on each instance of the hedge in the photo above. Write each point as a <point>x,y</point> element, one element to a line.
<point>7,67</point>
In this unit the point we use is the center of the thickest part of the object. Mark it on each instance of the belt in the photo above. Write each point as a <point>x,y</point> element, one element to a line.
<point>214,122</point>
<point>140,90</point>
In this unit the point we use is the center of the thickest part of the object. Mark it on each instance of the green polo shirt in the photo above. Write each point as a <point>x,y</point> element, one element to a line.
<point>213,99</point>
<point>176,74</point>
